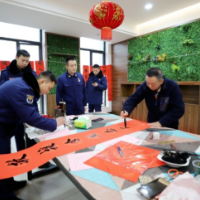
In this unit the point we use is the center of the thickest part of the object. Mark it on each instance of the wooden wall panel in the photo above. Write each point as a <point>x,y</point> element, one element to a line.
<point>119,74</point>
<point>190,93</point>
<point>190,120</point>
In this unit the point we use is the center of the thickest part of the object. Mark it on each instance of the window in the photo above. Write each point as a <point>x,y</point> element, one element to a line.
<point>97,58</point>
<point>32,49</point>
<point>91,44</point>
<point>84,59</point>
<point>92,52</point>
<point>7,50</point>
<point>19,32</point>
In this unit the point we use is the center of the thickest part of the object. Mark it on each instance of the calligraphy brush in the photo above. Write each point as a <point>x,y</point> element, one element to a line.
<point>123,112</point>
<point>173,147</point>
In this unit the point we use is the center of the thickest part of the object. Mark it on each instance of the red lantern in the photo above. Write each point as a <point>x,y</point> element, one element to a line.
<point>106,16</point>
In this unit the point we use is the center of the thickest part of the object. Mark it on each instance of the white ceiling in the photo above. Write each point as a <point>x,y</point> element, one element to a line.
<point>134,9</point>
<point>70,17</point>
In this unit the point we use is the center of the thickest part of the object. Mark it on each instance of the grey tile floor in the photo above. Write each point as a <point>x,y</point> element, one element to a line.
<point>54,186</point>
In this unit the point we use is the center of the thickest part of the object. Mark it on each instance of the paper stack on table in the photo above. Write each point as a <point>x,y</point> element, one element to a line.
<point>76,161</point>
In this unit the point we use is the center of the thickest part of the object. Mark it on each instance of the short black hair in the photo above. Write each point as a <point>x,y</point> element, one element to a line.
<point>47,75</point>
<point>155,71</point>
<point>96,66</point>
<point>22,52</point>
<point>69,58</point>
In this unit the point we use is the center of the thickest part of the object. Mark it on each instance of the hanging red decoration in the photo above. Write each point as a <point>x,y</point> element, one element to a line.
<point>106,16</point>
<point>85,72</point>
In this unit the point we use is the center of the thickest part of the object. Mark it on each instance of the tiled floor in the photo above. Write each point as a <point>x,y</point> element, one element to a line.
<point>55,186</point>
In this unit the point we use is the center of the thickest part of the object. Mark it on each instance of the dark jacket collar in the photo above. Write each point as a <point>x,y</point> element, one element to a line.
<point>32,81</point>
<point>99,75</point>
<point>15,70</point>
<point>69,75</point>
<point>164,85</point>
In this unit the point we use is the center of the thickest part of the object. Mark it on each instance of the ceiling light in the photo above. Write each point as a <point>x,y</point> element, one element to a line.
<point>148,6</point>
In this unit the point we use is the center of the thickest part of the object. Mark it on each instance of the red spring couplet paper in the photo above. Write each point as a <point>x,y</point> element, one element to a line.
<point>32,65</point>
<point>85,73</point>
<point>30,158</point>
<point>134,162</point>
<point>103,69</point>
<point>4,64</point>
<point>39,65</point>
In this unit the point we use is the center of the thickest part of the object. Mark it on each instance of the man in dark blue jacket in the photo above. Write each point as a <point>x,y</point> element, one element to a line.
<point>18,102</point>
<point>95,86</point>
<point>17,68</point>
<point>71,89</point>
<point>163,98</point>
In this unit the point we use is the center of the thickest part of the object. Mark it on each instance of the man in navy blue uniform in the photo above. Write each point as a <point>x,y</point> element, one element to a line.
<point>95,86</point>
<point>18,102</point>
<point>163,98</point>
<point>17,68</point>
<point>71,89</point>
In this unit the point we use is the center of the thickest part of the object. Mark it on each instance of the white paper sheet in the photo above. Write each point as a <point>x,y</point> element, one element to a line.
<point>76,161</point>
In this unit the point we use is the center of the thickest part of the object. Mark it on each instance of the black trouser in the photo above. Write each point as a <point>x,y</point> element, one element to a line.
<point>93,107</point>
<point>77,111</point>
<point>19,137</point>
<point>5,137</point>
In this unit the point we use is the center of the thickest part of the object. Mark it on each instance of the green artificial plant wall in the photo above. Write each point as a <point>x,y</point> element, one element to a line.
<point>176,51</point>
<point>62,45</point>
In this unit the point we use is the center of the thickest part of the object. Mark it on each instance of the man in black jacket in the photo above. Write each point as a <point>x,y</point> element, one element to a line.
<point>18,106</point>
<point>18,67</point>
<point>95,86</point>
<point>163,98</point>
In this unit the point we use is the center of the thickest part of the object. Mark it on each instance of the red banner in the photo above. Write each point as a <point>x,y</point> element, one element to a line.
<point>85,72</point>
<point>4,64</point>
<point>103,69</point>
<point>32,65</point>
<point>39,65</point>
<point>25,160</point>
<point>109,79</point>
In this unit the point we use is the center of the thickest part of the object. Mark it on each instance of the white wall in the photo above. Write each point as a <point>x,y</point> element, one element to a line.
<point>45,67</point>
<point>108,55</point>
